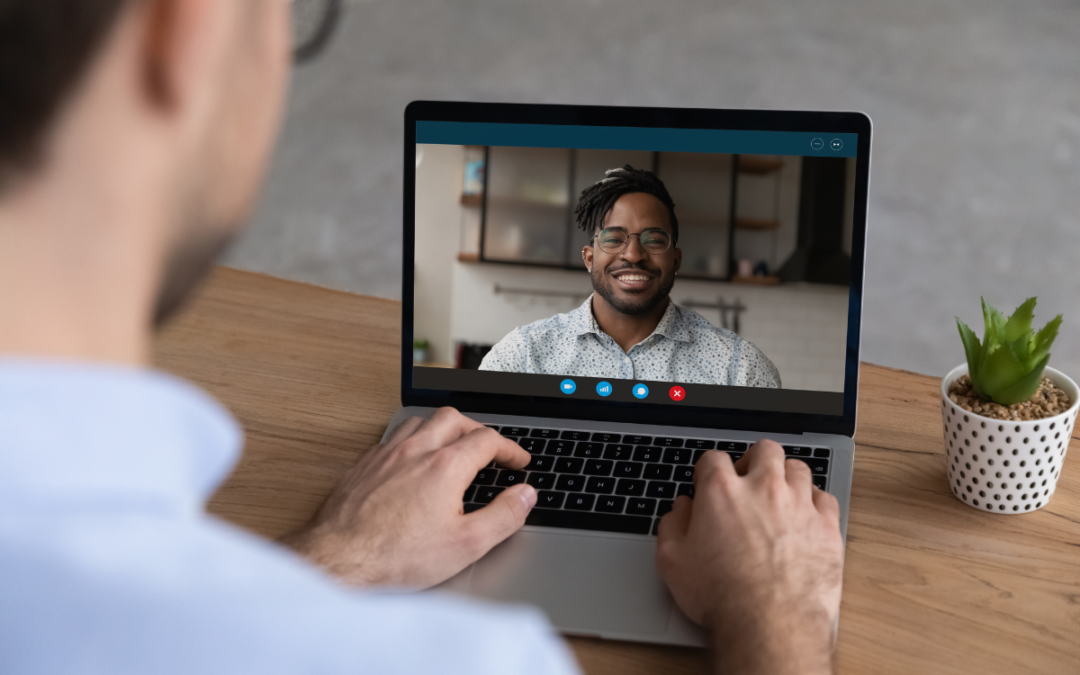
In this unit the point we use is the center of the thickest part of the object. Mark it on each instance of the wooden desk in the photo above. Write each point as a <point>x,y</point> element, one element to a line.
<point>930,585</point>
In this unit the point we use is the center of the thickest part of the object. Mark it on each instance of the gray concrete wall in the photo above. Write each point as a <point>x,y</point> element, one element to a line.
<point>976,105</point>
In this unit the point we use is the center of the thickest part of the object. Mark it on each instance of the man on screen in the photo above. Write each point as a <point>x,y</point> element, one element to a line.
<point>629,328</point>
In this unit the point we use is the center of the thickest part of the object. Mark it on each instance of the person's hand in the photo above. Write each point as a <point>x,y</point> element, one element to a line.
<point>397,517</point>
<point>756,557</point>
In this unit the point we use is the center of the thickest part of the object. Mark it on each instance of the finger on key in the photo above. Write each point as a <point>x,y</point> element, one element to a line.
<point>763,455</point>
<point>479,447</point>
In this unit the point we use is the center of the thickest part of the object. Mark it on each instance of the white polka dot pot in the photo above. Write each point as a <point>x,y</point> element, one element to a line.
<point>1006,467</point>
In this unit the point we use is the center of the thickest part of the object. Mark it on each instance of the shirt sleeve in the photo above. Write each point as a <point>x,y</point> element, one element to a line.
<point>508,355</point>
<point>754,369</point>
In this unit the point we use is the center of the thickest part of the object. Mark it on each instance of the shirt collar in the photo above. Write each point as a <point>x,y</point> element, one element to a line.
<point>81,435</point>
<point>673,324</point>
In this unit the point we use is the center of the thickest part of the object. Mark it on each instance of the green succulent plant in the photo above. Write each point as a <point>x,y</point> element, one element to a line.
<point>1006,367</point>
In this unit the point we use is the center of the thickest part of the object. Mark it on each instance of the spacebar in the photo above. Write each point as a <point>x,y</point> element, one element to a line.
<point>605,522</point>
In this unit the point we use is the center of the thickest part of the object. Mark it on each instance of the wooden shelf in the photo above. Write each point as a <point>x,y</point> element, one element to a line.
<point>468,257</point>
<point>759,165</point>
<point>745,223</point>
<point>472,200</point>
<point>756,280</point>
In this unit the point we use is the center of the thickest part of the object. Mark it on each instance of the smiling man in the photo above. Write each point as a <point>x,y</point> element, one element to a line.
<point>629,328</point>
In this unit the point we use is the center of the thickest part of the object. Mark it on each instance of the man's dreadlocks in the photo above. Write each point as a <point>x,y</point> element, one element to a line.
<point>597,200</point>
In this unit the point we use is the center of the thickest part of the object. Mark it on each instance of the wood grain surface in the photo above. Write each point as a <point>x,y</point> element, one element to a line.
<point>930,585</point>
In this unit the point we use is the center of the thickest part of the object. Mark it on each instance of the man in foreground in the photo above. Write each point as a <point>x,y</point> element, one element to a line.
<point>133,137</point>
<point>629,328</point>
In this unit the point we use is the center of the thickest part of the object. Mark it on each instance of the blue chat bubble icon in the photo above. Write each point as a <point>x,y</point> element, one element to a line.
<point>640,390</point>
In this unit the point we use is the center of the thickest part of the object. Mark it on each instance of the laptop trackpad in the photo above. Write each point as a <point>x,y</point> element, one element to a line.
<point>587,583</point>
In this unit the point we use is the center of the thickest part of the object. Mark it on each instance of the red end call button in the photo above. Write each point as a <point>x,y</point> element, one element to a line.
<point>677,393</point>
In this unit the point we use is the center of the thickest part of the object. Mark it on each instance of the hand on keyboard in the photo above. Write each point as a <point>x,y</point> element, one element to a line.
<point>757,558</point>
<point>397,518</point>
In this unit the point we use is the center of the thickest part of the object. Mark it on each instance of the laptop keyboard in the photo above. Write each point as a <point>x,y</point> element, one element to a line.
<point>610,482</point>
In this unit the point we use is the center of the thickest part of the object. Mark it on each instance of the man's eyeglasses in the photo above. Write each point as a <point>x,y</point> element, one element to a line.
<point>313,23</point>
<point>615,240</point>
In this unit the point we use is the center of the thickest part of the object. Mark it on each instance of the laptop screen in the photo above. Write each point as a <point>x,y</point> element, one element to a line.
<point>638,265</point>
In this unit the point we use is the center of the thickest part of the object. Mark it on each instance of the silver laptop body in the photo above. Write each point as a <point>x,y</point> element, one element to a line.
<point>604,583</point>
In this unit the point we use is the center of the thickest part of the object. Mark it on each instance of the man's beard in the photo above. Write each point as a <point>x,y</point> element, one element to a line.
<point>602,285</point>
<point>188,264</point>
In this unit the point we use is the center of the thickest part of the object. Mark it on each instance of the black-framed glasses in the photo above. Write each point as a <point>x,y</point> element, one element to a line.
<point>313,24</point>
<point>615,240</point>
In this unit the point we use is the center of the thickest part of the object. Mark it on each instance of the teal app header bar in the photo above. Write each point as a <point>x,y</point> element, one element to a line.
<point>725,141</point>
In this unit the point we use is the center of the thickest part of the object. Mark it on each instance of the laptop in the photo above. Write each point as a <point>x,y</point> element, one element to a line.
<point>505,303</point>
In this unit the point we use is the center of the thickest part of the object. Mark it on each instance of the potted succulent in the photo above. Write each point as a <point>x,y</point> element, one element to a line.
<point>1008,417</point>
<point>419,350</point>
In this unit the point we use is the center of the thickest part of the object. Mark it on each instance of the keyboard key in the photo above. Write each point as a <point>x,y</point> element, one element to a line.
<point>545,433</point>
<point>492,426</point>
<point>606,438</point>
<point>546,499</point>
<point>580,502</point>
<point>618,451</point>
<point>491,465</point>
<point>631,439</point>
<point>663,507</point>
<point>515,431</point>
<point>700,444</point>
<point>568,483</point>
<point>598,522</point>
<point>541,481</point>
<point>469,508</point>
<point>698,454</point>
<point>821,452</point>
<point>668,442</point>
<point>658,471</point>
<point>819,467</point>
<point>798,451</point>
<point>684,474</point>
<point>560,448</point>
<point>485,494</point>
<point>660,489</point>
<point>628,469</point>
<point>485,476</point>
<point>819,481</point>
<point>598,467</point>
<point>589,450</point>
<point>469,493</point>
<point>630,488</point>
<point>677,455</point>
<point>541,463</point>
<point>609,504</point>
<point>735,456</point>
<point>507,478</point>
<point>686,489</point>
<point>575,435</point>
<point>569,465</point>
<point>600,485</point>
<point>647,453</point>
<point>533,445</point>
<point>731,446</point>
<point>641,507</point>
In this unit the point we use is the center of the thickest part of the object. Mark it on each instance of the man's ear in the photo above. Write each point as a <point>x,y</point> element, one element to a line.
<point>183,39</point>
<point>678,259</point>
<point>587,257</point>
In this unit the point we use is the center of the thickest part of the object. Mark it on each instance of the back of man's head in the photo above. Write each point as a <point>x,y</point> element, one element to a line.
<point>45,48</point>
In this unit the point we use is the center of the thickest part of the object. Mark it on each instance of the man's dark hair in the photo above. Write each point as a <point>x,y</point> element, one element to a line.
<point>45,49</point>
<point>597,200</point>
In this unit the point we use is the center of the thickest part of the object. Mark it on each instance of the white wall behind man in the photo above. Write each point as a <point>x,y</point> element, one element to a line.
<point>975,104</point>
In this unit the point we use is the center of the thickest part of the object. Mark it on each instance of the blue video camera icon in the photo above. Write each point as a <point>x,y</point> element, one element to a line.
<point>568,386</point>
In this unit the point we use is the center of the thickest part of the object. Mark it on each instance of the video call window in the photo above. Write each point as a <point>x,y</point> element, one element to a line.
<point>761,245</point>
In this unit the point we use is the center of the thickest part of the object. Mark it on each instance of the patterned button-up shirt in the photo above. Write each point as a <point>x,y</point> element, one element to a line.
<point>685,348</point>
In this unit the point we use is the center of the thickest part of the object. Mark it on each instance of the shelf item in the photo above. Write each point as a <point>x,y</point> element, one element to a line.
<point>747,223</point>
<point>759,165</point>
<point>756,280</point>
<point>472,200</point>
<point>468,257</point>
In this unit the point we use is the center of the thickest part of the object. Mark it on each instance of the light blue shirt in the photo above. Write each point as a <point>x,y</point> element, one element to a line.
<point>684,348</point>
<point>108,563</point>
